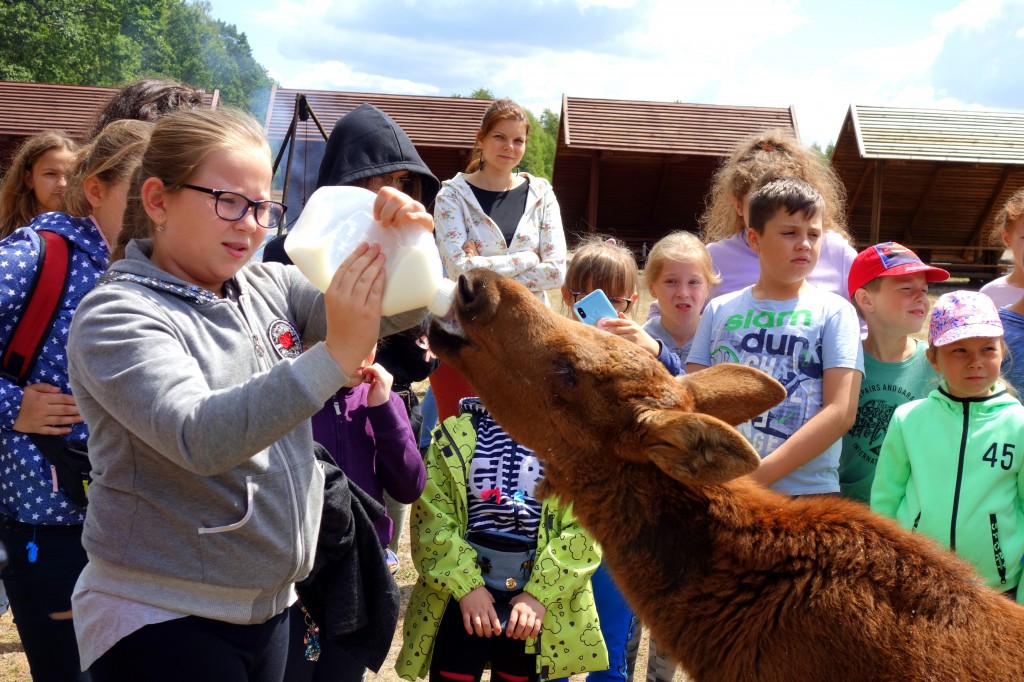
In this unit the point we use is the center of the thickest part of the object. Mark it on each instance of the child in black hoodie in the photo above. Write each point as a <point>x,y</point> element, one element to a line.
<point>367,149</point>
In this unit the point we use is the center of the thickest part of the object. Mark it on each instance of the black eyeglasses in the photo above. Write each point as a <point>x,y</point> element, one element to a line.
<point>233,206</point>
<point>404,183</point>
<point>619,303</point>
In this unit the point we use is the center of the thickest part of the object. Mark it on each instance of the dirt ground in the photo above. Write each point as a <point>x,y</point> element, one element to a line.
<point>14,667</point>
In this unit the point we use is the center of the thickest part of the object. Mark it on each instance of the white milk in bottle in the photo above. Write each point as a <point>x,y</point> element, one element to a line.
<point>336,219</point>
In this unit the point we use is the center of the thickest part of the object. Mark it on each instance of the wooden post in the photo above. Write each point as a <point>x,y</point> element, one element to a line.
<point>595,177</point>
<point>978,235</point>
<point>876,204</point>
<point>860,188</point>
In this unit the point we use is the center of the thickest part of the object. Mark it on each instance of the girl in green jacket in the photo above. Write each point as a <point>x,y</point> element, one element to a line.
<point>503,577</point>
<point>950,464</point>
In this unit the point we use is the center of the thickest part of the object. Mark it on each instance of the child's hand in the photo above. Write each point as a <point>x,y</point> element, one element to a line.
<point>44,409</point>
<point>353,307</point>
<point>478,616</point>
<point>380,381</point>
<point>392,209</point>
<point>469,248</point>
<point>527,615</point>
<point>631,331</point>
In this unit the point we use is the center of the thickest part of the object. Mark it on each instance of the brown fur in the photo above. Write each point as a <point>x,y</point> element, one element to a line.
<point>737,582</point>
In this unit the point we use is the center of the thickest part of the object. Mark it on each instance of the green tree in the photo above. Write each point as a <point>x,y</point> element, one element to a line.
<point>110,42</point>
<point>539,158</point>
<point>826,155</point>
<point>549,120</point>
<point>65,41</point>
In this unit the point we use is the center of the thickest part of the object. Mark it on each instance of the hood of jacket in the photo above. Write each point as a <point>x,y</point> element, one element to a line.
<point>991,404</point>
<point>367,142</point>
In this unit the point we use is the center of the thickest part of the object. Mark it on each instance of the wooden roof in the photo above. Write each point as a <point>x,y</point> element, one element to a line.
<point>663,127</point>
<point>931,179</point>
<point>939,135</point>
<point>637,170</point>
<point>27,108</point>
<point>441,128</point>
<point>428,121</point>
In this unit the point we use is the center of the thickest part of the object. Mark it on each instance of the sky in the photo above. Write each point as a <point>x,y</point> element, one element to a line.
<point>819,56</point>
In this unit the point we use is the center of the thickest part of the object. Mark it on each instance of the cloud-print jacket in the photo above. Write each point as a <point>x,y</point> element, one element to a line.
<point>570,640</point>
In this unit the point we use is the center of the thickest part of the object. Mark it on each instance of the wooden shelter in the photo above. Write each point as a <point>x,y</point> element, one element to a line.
<point>932,180</point>
<point>442,129</point>
<point>637,170</point>
<point>28,108</point>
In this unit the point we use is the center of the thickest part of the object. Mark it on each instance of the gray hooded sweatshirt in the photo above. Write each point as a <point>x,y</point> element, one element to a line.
<point>206,497</point>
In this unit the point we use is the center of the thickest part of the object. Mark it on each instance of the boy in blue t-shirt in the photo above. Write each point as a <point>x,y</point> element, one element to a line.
<point>888,284</point>
<point>808,339</point>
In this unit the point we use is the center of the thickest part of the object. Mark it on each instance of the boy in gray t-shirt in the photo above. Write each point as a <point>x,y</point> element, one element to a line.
<point>888,284</point>
<point>808,339</point>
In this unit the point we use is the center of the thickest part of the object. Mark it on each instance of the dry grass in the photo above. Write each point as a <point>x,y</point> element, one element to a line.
<point>13,665</point>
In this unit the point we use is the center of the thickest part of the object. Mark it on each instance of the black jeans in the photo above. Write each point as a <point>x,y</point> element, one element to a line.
<point>42,587</point>
<point>198,650</point>
<point>461,657</point>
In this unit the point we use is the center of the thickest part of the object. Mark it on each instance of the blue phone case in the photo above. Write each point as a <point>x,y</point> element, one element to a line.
<point>593,307</point>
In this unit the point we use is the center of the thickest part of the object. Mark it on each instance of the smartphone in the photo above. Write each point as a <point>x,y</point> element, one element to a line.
<point>593,307</point>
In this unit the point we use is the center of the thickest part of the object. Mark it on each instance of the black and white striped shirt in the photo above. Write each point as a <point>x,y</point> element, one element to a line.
<point>502,478</point>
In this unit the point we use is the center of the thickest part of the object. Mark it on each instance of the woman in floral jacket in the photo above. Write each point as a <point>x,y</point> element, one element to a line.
<point>493,217</point>
<point>468,481</point>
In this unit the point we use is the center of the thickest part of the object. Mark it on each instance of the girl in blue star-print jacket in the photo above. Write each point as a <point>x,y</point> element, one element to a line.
<point>41,526</point>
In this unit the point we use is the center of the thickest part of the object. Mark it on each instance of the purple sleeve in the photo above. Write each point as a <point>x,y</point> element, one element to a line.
<point>669,359</point>
<point>399,464</point>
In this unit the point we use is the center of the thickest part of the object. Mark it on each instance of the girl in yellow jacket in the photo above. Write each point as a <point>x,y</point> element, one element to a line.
<point>504,577</point>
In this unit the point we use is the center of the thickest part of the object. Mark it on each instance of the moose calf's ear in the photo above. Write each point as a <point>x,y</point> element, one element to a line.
<point>697,449</point>
<point>733,393</point>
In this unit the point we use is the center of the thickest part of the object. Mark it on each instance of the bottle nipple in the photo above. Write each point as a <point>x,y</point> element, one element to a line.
<point>444,298</point>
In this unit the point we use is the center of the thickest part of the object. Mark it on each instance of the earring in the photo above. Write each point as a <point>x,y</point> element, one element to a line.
<point>159,228</point>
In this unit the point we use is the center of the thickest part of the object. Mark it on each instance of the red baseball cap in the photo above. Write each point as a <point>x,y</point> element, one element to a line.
<point>889,259</point>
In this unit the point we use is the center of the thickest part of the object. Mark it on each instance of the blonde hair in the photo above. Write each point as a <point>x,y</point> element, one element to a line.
<point>683,247</point>
<point>1011,211</point>
<point>179,145</point>
<point>500,110</point>
<point>601,262</point>
<point>112,157</point>
<point>18,205</point>
<point>755,161</point>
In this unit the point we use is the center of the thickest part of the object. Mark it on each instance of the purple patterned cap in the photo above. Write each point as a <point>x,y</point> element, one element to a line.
<point>963,315</point>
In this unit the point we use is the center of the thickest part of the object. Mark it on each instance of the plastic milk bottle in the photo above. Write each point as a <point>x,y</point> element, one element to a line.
<point>336,219</point>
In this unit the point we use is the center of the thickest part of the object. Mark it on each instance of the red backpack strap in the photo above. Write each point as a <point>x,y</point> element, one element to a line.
<point>45,294</point>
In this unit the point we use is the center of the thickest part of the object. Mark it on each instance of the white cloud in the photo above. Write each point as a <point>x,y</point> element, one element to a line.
<point>814,56</point>
<point>584,5</point>
<point>335,75</point>
<point>972,14</point>
<point>897,62</point>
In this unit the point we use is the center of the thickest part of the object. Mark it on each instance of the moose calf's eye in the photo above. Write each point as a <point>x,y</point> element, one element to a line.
<point>565,372</point>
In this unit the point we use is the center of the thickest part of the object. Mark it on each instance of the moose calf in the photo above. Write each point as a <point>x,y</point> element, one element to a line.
<point>737,582</point>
